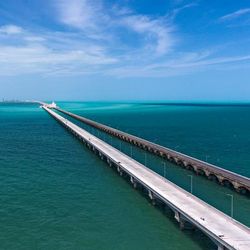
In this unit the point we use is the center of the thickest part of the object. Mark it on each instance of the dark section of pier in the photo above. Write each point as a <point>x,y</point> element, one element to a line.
<point>222,176</point>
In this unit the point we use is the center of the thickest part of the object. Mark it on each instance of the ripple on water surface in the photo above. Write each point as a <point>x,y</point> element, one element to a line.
<point>57,194</point>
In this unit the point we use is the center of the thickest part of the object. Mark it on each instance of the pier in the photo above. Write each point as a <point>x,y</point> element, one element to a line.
<point>187,209</point>
<point>222,176</point>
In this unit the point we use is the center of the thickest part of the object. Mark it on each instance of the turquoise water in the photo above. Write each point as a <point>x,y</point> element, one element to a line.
<point>57,194</point>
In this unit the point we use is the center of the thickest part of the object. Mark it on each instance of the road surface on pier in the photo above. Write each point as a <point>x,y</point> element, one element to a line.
<point>224,230</point>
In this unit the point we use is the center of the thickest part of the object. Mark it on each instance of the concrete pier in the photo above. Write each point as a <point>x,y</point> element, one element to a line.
<point>212,172</point>
<point>224,231</point>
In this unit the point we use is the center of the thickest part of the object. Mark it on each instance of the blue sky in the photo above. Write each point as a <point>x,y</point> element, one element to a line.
<point>110,50</point>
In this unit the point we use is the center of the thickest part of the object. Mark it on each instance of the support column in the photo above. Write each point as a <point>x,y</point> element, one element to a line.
<point>195,169</point>
<point>183,223</point>
<point>220,179</point>
<point>134,183</point>
<point>151,197</point>
<point>101,156</point>
<point>109,162</point>
<point>207,172</point>
<point>176,160</point>
<point>236,186</point>
<point>177,216</point>
<point>119,170</point>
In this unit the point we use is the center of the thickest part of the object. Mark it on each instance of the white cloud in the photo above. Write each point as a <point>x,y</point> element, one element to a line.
<point>38,54</point>
<point>121,11</point>
<point>98,22</point>
<point>41,55</point>
<point>215,61</point>
<point>34,38</point>
<point>152,29</point>
<point>183,64</point>
<point>67,54</point>
<point>97,43</point>
<point>80,14</point>
<point>11,29</point>
<point>235,14</point>
<point>176,11</point>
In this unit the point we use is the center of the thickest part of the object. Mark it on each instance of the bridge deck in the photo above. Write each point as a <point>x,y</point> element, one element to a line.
<point>217,225</point>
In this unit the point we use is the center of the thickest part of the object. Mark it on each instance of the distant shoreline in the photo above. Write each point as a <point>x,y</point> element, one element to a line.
<point>208,104</point>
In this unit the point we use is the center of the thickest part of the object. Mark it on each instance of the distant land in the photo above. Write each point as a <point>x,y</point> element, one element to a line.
<point>165,103</point>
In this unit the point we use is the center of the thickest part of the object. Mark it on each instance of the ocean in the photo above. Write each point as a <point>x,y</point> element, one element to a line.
<point>56,194</point>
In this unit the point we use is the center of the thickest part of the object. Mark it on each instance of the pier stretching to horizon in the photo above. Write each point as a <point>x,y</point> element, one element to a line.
<point>222,176</point>
<point>189,211</point>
